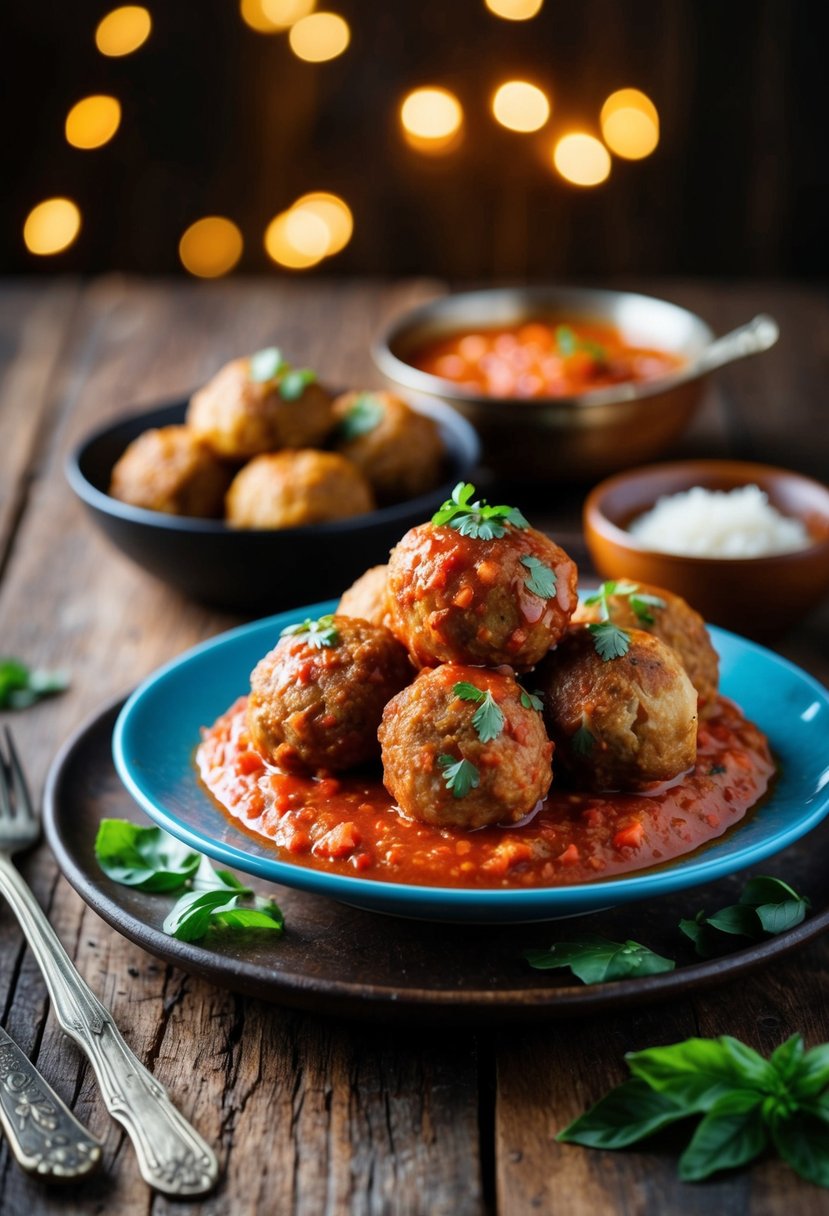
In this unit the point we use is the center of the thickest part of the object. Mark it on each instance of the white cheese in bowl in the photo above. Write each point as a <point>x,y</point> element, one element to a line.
<point>719,523</point>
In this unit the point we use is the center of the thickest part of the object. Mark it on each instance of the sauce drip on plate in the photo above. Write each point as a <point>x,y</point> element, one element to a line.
<point>349,824</point>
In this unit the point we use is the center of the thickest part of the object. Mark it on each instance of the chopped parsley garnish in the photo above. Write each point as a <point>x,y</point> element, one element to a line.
<point>294,383</point>
<point>488,718</point>
<point>532,700</point>
<point>362,417</point>
<point>541,580</point>
<point>611,641</point>
<point>268,365</point>
<point>568,343</point>
<point>460,776</point>
<point>322,633</point>
<point>477,519</point>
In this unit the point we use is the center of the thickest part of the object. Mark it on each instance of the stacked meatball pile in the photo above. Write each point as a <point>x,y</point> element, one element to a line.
<point>426,664</point>
<point>251,451</point>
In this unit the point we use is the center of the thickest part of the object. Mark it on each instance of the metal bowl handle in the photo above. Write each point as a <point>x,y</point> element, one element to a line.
<point>749,339</point>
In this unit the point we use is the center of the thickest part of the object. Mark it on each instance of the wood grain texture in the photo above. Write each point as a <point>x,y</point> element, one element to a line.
<point>311,1114</point>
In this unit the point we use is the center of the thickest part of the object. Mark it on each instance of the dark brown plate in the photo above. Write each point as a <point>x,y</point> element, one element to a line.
<point>337,959</point>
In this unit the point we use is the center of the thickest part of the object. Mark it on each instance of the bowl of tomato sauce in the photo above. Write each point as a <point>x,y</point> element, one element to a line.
<point>573,382</point>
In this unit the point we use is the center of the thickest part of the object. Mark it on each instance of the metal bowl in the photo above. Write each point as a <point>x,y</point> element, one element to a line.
<point>575,437</point>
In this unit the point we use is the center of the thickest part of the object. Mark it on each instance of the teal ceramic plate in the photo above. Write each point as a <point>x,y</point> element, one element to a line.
<point>158,729</point>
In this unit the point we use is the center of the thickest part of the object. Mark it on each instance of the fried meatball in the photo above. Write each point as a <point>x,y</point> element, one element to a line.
<point>460,599</point>
<point>367,597</point>
<point>460,760</point>
<point>316,700</point>
<point>619,724</point>
<point>398,449</point>
<point>240,417</point>
<point>292,489</point>
<point>675,622</point>
<point>170,469</point>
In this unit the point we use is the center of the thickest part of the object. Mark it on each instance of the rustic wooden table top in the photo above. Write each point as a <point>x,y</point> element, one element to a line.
<point>308,1114</point>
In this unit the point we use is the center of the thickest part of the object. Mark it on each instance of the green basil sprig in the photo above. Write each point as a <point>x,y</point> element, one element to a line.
<point>595,960</point>
<point>746,1103</point>
<point>152,860</point>
<point>21,686</point>
<point>767,906</point>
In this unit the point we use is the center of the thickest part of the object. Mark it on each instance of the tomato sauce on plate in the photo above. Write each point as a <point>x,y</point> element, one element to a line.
<point>542,359</point>
<point>349,824</point>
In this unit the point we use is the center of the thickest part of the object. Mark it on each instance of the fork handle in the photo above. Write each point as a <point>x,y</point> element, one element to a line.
<point>172,1156</point>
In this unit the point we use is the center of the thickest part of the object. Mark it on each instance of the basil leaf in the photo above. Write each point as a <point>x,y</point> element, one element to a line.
<point>629,1113</point>
<point>765,890</point>
<point>208,879</point>
<point>731,1134</point>
<point>738,920</point>
<point>813,1073</point>
<point>787,1059</point>
<point>595,960</point>
<point>251,918</point>
<point>803,1141</point>
<point>21,687</point>
<point>766,905</point>
<point>189,919</point>
<point>695,1073</point>
<point>146,858</point>
<point>777,918</point>
<point>265,365</point>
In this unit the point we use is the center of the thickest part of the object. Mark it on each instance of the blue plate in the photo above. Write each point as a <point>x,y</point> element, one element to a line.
<point>158,729</point>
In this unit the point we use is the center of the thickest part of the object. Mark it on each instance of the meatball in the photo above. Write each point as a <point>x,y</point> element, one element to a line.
<point>675,622</point>
<point>398,449</point>
<point>366,598</point>
<point>461,599</point>
<point>316,700</point>
<point>170,469</point>
<point>622,723</point>
<point>462,747</point>
<point>292,489</point>
<point>240,416</point>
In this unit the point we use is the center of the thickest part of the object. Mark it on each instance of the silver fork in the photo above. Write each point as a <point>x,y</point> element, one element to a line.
<point>172,1157</point>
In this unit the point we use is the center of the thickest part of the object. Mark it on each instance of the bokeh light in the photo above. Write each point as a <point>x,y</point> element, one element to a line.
<point>93,121</point>
<point>334,213</point>
<point>582,159</point>
<point>520,106</point>
<point>273,16</point>
<point>431,119</point>
<point>514,10</point>
<point>51,226</point>
<point>319,36</point>
<point>630,124</point>
<point>210,247</point>
<point>287,231</point>
<point>123,30</point>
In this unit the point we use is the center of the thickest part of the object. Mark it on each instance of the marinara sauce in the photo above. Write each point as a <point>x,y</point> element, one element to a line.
<point>542,359</point>
<point>350,825</point>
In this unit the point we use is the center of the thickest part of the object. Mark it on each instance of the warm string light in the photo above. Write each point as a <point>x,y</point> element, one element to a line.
<point>210,247</point>
<point>52,226</point>
<point>319,37</point>
<point>432,119</point>
<point>93,121</point>
<point>582,159</point>
<point>123,30</point>
<point>316,226</point>
<point>520,106</point>
<point>630,124</point>
<point>514,10</point>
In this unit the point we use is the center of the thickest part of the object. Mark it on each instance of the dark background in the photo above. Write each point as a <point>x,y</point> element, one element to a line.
<point>218,119</point>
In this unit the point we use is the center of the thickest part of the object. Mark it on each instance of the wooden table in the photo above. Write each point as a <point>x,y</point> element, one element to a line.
<point>310,1115</point>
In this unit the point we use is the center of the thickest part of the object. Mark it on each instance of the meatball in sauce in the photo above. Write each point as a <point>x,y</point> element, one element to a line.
<point>462,747</point>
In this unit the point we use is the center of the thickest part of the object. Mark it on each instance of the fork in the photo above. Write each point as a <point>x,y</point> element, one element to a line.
<point>172,1157</point>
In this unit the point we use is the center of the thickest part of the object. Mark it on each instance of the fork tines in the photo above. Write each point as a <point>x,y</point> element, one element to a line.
<point>14,791</point>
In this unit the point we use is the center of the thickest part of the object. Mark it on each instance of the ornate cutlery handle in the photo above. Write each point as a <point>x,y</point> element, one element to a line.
<point>172,1156</point>
<point>44,1135</point>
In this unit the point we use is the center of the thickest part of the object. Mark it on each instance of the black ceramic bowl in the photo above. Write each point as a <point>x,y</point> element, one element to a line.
<point>247,570</point>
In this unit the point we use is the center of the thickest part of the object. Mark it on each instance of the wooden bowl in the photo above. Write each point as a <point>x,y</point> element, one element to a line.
<point>757,596</point>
